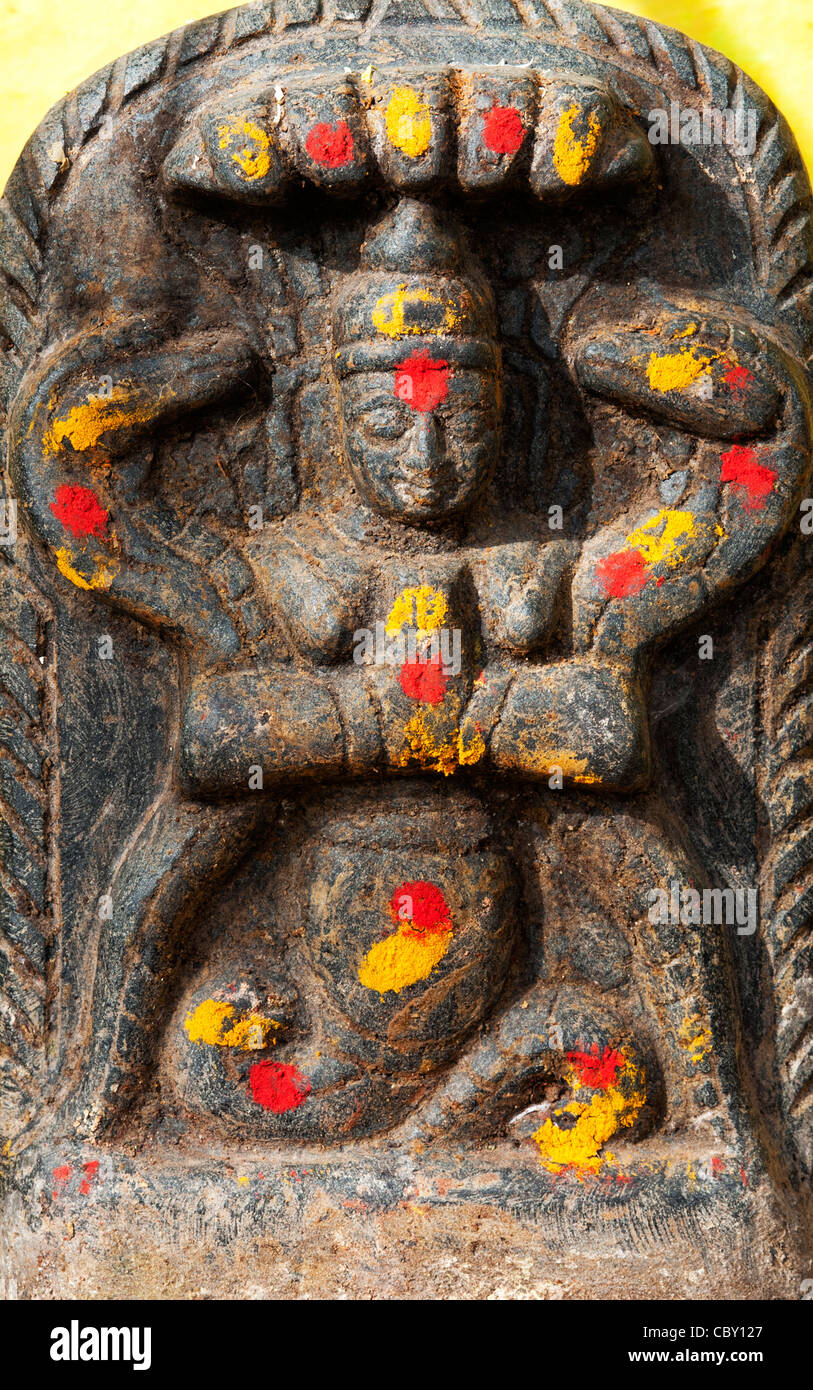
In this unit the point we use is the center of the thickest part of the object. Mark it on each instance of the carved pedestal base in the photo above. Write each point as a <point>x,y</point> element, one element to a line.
<point>675,1227</point>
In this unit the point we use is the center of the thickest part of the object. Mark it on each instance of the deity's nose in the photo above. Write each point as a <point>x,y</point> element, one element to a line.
<point>425,451</point>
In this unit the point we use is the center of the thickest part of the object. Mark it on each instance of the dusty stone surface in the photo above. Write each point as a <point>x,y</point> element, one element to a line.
<point>404,712</point>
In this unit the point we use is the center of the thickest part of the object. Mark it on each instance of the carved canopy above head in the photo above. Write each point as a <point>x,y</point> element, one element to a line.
<point>479,130</point>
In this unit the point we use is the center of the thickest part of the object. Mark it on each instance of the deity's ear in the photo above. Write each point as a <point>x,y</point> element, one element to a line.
<point>415,131</point>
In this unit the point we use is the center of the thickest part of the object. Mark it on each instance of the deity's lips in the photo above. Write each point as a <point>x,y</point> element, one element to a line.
<point>422,382</point>
<point>423,937</point>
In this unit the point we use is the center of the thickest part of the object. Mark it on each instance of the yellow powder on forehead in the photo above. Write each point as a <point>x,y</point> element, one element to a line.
<point>408,122</point>
<point>572,155</point>
<point>85,424</point>
<point>401,960</point>
<point>389,314</point>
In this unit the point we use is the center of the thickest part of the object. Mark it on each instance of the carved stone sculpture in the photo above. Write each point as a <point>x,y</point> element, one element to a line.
<point>404,707</point>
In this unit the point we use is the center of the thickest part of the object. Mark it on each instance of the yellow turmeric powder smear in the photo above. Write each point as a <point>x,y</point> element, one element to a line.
<point>673,371</point>
<point>423,608</point>
<point>572,156</point>
<point>568,764</point>
<point>439,752</point>
<point>253,157</point>
<point>695,1038</point>
<point>663,539</point>
<point>389,314</point>
<point>211,1024</point>
<point>402,959</point>
<point>102,577</point>
<point>597,1120</point>
<point>84,425</point>
<point>408,121</point>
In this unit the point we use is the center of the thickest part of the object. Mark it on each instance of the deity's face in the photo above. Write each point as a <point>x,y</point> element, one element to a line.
<point>421,439</point>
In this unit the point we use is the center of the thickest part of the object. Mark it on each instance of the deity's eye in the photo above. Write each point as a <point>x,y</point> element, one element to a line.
<point>470,424</point>
<point>386,421</point>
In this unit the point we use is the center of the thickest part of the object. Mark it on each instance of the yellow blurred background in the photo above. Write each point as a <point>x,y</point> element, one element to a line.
<point>47,48</point>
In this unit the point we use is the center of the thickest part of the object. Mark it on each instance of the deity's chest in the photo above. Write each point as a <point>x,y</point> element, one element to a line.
<point>458,604</point>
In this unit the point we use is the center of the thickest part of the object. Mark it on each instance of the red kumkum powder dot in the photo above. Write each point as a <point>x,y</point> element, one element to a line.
<point>277,1087</point>
<point>752,481</point>
<point>426,906</point>
<point>330,145</point>
<point>60,1176</point>
<point>78,509</point>
<point>622,574</point>
<point>422,382</point>
<point>90,1170</point>
<point>596,1069</point>
<point>737,377</point>
<point>424,680</point>
<point>503,131</point>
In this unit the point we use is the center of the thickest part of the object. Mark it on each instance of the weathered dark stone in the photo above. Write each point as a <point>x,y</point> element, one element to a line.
<point>393,426</point>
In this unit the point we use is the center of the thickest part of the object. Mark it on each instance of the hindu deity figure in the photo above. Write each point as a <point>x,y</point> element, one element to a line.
<point>406,454</point>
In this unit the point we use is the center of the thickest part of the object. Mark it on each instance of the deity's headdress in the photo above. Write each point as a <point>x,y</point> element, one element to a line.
<point>416,286</point>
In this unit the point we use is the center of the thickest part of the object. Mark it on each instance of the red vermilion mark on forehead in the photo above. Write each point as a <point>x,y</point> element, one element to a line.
<point>424,680</point>
<point>78,509</point>
<point>330,145</point>
<point>597,1069</point>
<point>277,1087</point>
<point>422,905</point>
<point>622,574</point>
<point>752,481</point>
<point>422,382</point>
<point>503,131</point>
<point>738,378</point>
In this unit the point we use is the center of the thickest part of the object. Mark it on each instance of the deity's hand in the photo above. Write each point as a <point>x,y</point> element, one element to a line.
<point>78,466</point>
<point>744,400</point>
